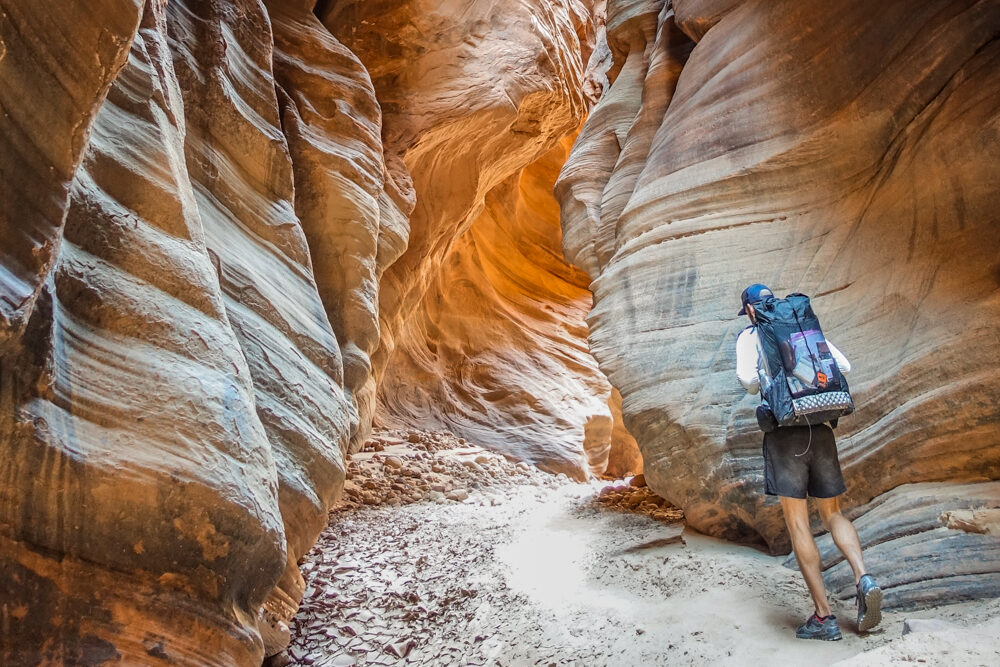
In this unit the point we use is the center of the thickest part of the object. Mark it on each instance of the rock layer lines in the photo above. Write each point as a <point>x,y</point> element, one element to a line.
<point>215,220</point>
<point>842,151</point>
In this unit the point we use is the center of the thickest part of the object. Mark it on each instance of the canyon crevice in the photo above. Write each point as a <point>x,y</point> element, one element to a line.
<point>235,234</point>
<point>213,248</point>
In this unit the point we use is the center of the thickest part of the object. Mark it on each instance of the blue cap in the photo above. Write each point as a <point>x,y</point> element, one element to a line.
<point>754,294</point>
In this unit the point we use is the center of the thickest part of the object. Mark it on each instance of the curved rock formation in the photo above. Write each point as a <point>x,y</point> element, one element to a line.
<point>241,174</point>
<point>134,460</point>
<point>173,419</point>
<point>468,100</point>
<point>55,68</point>
<point>192,275</point>
<point>223,222</point>
<point>352,210</point>
<point>497,350</point>
<point>624,458</point>
<point>840,150</point>
<point>909,524</point>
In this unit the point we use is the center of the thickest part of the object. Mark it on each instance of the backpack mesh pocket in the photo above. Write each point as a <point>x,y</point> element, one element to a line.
<point>828,401</point>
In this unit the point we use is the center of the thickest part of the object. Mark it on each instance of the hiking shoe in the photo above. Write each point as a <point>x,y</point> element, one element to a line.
<point>869,603</point>
<point>815,627</point>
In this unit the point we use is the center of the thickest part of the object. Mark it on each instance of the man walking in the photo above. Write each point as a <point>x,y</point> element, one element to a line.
<point>801,461</point>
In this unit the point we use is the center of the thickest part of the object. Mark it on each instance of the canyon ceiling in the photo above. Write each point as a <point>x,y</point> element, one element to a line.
<point>235,233</point>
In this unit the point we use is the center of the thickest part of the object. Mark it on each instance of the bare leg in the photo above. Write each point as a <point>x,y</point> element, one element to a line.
<point>843,533</point>
<point>797,519</point>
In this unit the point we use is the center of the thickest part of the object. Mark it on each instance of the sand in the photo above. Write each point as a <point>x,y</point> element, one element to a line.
<point>531,570</point>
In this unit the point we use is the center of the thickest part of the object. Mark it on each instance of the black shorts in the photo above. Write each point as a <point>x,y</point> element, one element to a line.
<point>800,460</point>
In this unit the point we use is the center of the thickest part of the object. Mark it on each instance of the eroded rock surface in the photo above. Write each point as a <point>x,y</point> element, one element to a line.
<point>198,274</point>
<point>174,419</point>
<point>497,351</point>
<point>468,100</point>
<point>910,525</point>
<point>55,68</point>
<point>353,209</point>
<point>843,151</point>
<point>137,478</point>
<point>224,222</point>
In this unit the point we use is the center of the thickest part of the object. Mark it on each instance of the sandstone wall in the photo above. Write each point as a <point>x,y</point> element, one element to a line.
<point>469,99</point>
<point>215,220</point>
<point>910,525</point>
<point>134,460</point>
<point>54,70</point>
<point>497,352</point>
<point>846,150</point>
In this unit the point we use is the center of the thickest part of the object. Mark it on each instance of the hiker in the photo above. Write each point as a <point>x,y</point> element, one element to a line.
<point>801,460</point>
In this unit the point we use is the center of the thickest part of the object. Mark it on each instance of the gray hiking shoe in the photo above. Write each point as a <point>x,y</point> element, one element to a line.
<point>869,603</point>
<point>820,628</point>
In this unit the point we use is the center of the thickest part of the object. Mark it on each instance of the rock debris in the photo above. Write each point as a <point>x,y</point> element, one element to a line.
<point>384,587</point>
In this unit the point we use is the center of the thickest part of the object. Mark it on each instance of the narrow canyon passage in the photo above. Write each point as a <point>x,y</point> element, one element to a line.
<point>340,331</point>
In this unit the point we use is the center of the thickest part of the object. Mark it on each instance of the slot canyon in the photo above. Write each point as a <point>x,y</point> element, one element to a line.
<point>298,293</point>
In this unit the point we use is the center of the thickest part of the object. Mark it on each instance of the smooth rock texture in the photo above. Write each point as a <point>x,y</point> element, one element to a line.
<point>352,210</point>
<point>916,558</point>
<point>241,174</point>
<point>624,459</point>
<point>202,277</point>
<point>174,419</point>
<point>137,486</point>
<point>497,351</point>
<point>224,223</point>
<point>55,69</point>
<point>469,99</point>
<point>847,151</point>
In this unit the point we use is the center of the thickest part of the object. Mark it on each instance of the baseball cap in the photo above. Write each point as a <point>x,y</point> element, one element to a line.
<point>754,294</point>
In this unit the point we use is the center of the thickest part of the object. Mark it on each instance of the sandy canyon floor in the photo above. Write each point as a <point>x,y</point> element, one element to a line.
<point>444,554</point>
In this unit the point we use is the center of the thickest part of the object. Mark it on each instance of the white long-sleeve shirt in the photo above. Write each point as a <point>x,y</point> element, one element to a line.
<point>748,359</point>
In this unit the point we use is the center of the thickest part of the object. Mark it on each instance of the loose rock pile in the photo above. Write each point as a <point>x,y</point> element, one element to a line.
<point>400,467</point>
<point>635,496</point>
<point>378,585</point>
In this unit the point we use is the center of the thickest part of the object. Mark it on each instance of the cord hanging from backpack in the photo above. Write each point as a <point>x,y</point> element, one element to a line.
<point>808,444</point>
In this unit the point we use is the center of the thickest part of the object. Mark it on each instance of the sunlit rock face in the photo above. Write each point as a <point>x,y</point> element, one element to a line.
<point>624,457</point>
<point>845,150</point>
<point>241,172</point>
<point>497,350</point>
<point>215,224</point>
<point>352,207</point>
<point>469,99</point>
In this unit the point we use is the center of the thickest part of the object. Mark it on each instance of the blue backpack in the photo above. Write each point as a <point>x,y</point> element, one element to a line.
<point>803,383</point>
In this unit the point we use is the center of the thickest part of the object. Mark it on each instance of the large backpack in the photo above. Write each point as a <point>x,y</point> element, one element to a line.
<point>803,383</point>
